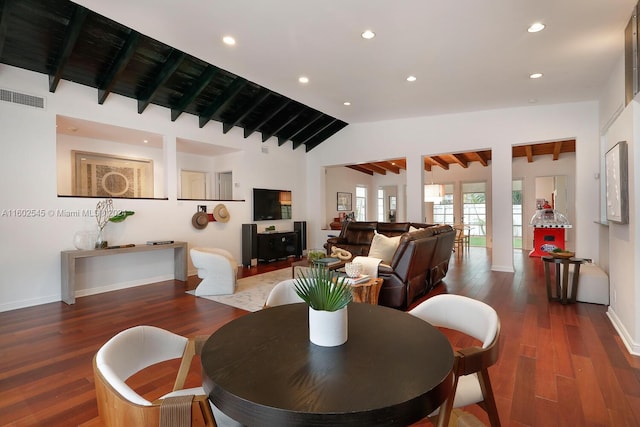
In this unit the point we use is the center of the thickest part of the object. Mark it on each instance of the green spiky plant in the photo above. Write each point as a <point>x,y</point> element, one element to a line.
<point>323,289</point>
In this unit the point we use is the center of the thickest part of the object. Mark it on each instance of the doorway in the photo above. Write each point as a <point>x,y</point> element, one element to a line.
<point>474,212</point>
<point>225,186</point>
<point>194,185</point>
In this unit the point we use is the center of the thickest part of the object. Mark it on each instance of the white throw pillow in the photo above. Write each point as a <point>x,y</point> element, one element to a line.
<point>412,229</point>
<point>383,247</point>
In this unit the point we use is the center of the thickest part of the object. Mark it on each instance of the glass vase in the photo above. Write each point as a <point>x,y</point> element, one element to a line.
<point>101,242</point>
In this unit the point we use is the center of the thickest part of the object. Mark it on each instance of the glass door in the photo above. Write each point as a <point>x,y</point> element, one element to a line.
<point>474,211</point>
<point>516,202</point>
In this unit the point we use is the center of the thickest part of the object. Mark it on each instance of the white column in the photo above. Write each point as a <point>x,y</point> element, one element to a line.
<point>501,203</point>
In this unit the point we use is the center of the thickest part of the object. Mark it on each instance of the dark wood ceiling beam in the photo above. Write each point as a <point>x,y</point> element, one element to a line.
<point>194,90</point>
<point>5,11</point>
<point>262,96</point>
<point>283,138</point>
<point>331,130</point>
<point>401,163</point>
<point>70,38</point>
<point>266,136</point>
<point>268,116</point>
<point>438,161</point>
<point>529,153</point>
<point>296,144</point>
<point>557,147</point>
<point>428,163</point>
<point>388,166</point>
<point>222,100</point>
<point>482,158</point>
<point>168,68</point>
<point>360,169</point>
<point>460,160</point>
<point>374,168</point>
<point>125,54</point>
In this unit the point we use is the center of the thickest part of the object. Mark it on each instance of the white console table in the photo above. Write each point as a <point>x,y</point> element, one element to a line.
<point>68,263</point>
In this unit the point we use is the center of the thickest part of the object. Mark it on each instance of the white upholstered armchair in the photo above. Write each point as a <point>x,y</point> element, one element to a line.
<point>217,268</point>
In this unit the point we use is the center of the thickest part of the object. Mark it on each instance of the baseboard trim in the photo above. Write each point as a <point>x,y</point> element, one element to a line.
<point>503,268</point>
<point>627,339</point>
<point>29,303</point>
<point>123,285</point>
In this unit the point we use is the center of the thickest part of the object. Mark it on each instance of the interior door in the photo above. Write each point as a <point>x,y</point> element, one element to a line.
<point>225,186</point>
<point>193,185</point>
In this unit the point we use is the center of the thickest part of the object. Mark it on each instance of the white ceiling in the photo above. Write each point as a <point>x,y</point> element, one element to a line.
<point>467,55</point>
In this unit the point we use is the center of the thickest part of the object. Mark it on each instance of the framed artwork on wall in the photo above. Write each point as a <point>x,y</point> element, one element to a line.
<point>104,175</point>
<point>617,184</point>
<point>344,201</point>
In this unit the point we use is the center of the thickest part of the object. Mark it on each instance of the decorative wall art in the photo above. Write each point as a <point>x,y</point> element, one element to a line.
<point>344,201</point>
<point>617,184</point>
<point>103,175</point>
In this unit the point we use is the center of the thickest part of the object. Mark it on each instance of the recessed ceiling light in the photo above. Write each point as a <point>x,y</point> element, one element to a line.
<point>146,141</point>
<point>347,103</point>
<point>411,79</point>
<point>368,34</point>
<point>535,27</point>
<point>533,101</point>
<point>303,79</point>
<point>228,40</point>
<point>535,76</point>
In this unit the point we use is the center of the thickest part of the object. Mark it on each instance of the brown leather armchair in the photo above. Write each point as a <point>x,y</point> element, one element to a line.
<point>406,278</point>
<point>444,247</point>
<point>420,262</point>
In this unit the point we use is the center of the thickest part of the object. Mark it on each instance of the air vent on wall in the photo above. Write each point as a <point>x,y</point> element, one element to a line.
<point>21,98</point>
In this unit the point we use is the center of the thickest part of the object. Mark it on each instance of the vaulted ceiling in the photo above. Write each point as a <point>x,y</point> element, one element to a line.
<point>465,56</point>
<point>530,151</point>
<point>69,42</point>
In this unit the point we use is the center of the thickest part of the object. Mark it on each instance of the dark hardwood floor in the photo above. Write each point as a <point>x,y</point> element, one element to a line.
<point>559,365</point>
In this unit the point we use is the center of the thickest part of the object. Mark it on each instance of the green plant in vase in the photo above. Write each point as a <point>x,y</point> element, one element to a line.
<point>323,289</point>
<point>106,213</point>
<point>315,254</point>
<point>327,296</point>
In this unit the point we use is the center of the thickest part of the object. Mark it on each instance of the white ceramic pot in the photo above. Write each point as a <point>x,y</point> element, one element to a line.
<point>328,328</point>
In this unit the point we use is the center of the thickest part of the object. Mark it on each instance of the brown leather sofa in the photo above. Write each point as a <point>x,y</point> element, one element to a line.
<point>356,236</point>
<point>420,262</point>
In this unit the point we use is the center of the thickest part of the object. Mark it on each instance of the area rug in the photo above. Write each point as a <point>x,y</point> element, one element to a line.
<point>252,292</point>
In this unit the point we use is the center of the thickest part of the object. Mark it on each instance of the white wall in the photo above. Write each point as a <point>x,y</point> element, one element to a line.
<point>341,179</point>
<point>30,246</point>
<point>623,251</point>
<point>496,130</point>
<point>621,254</point>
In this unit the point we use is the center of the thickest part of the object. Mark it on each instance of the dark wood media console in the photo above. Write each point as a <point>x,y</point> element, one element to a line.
<point>272,245</point>
<point>277,245</point>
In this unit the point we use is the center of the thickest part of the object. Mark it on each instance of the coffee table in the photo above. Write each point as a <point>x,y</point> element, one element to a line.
<point>304,266</point>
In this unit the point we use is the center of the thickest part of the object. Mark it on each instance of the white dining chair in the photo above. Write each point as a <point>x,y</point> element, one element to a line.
<point>134,350</point>
<point>471,365</point>
<point>283,293</point>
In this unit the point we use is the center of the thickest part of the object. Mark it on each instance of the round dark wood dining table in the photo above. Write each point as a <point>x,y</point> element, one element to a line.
<point>262,370</point>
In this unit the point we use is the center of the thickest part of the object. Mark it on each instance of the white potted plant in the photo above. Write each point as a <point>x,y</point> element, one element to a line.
<point>327,296</point>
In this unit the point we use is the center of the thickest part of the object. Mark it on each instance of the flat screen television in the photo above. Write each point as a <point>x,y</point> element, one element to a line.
<point>271,204</point>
